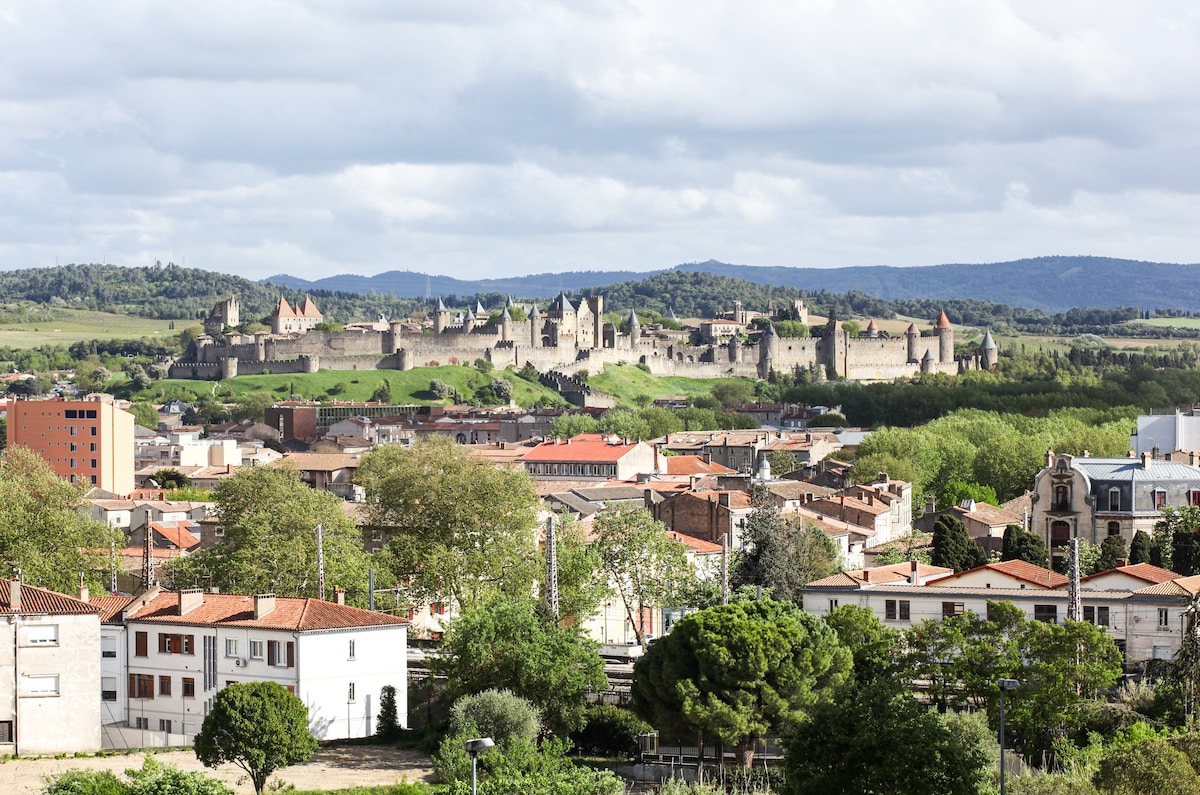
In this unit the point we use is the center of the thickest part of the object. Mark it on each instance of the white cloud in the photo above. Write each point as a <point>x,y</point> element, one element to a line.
<point>514,137</point>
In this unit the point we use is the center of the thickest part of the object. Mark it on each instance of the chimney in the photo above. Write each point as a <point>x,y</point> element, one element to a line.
<point>1087,454</point>
<point>264,603</point>
<point>83,594</point>
<point>1049,458</point>
<point>1121,562</point>
<point>1146,460</point>
<point>190,599</point>
<point>913,577</point>
<point>1192,458</point>
<point>339,596</point>
<point>866,575</point>
<point>14,592</point>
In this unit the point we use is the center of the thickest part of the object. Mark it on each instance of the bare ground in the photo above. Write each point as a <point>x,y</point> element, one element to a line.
<point>331,768</point>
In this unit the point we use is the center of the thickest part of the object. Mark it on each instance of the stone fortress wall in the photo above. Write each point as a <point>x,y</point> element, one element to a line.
<point>567,337</point>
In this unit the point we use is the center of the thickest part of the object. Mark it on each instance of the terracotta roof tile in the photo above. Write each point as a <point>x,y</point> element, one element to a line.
<point>694,465</point>
<point>238,610</point>
<point>110,606</point>
<point>586,447</point>
<point>40,600</point>
<point>1021,570</point>
<point>1141,571</point>
<point>697,545</point>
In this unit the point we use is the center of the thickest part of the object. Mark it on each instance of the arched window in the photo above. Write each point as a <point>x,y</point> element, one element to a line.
<point>1114,528</point>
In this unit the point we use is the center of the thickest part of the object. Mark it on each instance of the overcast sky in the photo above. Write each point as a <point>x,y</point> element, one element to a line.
<point>485,138</point>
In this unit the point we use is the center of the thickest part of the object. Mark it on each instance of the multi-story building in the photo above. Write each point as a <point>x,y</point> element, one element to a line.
<point>49,672</point>
<point>89,442</point>
<point>1093,498</point>
<point>182,648</point>
<point>591,456</point>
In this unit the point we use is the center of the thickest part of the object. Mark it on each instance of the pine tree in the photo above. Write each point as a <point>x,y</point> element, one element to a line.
<point>953,547</point>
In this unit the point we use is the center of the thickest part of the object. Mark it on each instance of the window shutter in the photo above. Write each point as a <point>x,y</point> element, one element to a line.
<point>133,692</point>
<point>139,644</point>
<point>291,654</point>
<point>271,647</point>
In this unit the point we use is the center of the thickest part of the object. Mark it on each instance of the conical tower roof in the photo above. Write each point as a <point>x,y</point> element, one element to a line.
<point>441,307</point>
<point>942,321</point>
<point>988,343</point>
<point>872,326</point>
<point>913,330</point>
<point>633,321</point>
<point>928,357</point>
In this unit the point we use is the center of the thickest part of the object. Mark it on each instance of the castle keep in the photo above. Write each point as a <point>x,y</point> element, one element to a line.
<point>566,337</point>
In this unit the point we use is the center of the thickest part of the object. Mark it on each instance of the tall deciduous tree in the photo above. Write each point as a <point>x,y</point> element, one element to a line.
<point>780,554</point>
<point>269,518</point>
<point>462,528</point>
<point>42,530</point>
<point>644,566</point>
<point>953,547</point>
<point>510,644</point>
<point>736,672</point>
<point>258,726</point>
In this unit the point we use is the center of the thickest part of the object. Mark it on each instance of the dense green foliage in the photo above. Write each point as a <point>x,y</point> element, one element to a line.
<point>152,778</point>
<point>270,519</point>
<point>387,724</point>
<point>258,726</point>
<point>737,672</point>
<point>42,529</point>
<point>1022,544</point>
<point>610,731</point>
<point>875,738</point>
<point>510,644</point>
<point>462,529</point>
<point>953,546</point>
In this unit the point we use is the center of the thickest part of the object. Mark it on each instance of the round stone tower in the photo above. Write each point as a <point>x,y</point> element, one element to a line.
<point>914,342</point>
<point>945,335</point>
<point>989,351</point>
<point>635,330</point>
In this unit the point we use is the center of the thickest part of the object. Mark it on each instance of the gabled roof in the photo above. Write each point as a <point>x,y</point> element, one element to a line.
<point>178,534</point>
<point>308,308</point>
<point>1139,571</point>
<point>294,614</point>
<point>882,575</point>
<point>1181,586</point>
<point>1020,570</point>
<point>40,600</point>
<point>110,607</point>
<point>697,545</point>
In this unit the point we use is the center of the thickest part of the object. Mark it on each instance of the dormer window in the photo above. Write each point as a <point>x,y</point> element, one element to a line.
<point>1114,499</point>
<point>1160,499</point>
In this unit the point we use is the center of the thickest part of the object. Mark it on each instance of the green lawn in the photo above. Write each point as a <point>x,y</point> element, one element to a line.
<point>1171,322</point>
<point>627,382</point>
<point>74,325</point>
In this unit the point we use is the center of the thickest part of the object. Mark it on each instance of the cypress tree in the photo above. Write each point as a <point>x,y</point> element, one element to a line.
<point>953,547</point>
<point>1140,549</point>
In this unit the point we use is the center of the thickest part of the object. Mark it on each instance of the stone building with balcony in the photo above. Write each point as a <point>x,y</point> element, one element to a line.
<point>1093,498</point>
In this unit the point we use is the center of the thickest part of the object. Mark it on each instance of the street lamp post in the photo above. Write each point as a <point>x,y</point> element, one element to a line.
<point>1004,684</point>
<point>476,747</point>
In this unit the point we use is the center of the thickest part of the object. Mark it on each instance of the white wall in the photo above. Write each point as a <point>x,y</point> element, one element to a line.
<point>326,671</point>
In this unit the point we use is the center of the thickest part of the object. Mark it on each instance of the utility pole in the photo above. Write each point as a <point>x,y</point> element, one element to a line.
<point>724,568</point>
<point>552,568</point>
<point>321,562</point>
<point>1074,601</point>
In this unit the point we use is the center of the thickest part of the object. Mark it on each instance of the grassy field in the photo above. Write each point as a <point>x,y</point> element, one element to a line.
<point>1171,322</point>
<point>75,325</point>
<point>627,382</point>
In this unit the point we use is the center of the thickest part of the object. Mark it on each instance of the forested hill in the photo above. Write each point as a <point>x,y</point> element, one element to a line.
<point>1051,284</point>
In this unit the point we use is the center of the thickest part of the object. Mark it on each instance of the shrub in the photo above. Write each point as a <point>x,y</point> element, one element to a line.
<point>610,731</point>
<point>84,782</point>
<point>498,714</point>
<point>388,724</point>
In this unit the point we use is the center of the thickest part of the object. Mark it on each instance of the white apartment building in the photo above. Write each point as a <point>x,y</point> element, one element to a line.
<point>181,648</point>
<point>49,672</point>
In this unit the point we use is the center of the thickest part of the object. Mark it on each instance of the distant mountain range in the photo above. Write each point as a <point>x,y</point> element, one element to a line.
<point>1052,284</point>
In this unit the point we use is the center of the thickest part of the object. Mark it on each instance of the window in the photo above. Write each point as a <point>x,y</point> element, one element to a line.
<point>189,687</point>
<point>1096,615</point>
<point>43,685</point>
<point>1160,499</point>
<point>1114,499</point>
<point>164,725</point>
<point>1060,534</point>
<point>139,644</point>
<point>108,688</point>
<point>1114,528</point>
<point>141,686</point>
<point>164,685</point>
<point>1062,498</point>
<point>437,608</point>
<point>231,647</point>
<point>93,465</point>
<point>108,647</point>
<point>174,643</point>
<point>896,609</point>
<point>1194,497</point>
<point>281,656</point>
<point>350,697</point>
<point>256,649</point>
<point>141,723</point>
<point>952,609</point>
<point>351,650</point>
<point>73,447</point>
<point>376,535</point>
<point>6,731</point>
<point>1164,618</point>
<point>91,447</point>
<point>1046,613</point>
<point>74,431</point>
<point>72,463</point>
<point>93,430</point>
<point>42,635</point>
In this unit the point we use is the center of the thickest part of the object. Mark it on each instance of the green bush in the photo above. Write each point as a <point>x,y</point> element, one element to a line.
<point>610,731</point>
<point>498,714</point>
<point>85,782</point>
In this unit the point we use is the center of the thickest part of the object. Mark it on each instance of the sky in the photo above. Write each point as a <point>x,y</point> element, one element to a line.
<point>486,139</point>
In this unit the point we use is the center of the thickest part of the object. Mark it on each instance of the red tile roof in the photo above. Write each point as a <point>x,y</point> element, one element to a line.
<point>697,545</point>
<point>40,600</point>
<point>586,448</point>
<point>943,321</point>
<point>177,534</point>
<point>1019,569</point>
<point>110,606</point>
<point>237,610</point>
<point>694,465</point>
<point>1141,571</point>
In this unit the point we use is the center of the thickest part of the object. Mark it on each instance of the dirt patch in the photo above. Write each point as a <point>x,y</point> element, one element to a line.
<point>331,768</point>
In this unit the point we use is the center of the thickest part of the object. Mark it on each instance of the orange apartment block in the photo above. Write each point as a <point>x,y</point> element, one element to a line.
<point>89,442</point>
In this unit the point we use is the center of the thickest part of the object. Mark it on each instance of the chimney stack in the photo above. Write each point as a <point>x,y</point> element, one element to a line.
<point>264,604</point>
<point>83,594</point>
<point>1146,459</point>
<point>913,577</point>
<point>14,592</point>
<point>190,599</point>
<point>339,596</point>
